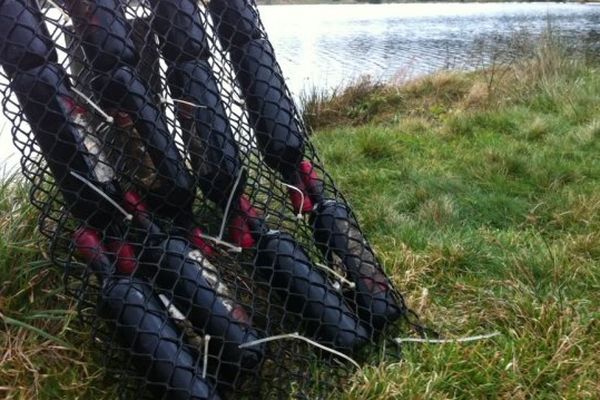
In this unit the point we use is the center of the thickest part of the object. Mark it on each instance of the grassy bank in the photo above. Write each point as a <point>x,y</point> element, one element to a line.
<point>480,192</point>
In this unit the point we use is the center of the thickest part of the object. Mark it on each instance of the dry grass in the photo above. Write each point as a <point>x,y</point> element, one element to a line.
<point>41,355</point>
<point>542,64</point>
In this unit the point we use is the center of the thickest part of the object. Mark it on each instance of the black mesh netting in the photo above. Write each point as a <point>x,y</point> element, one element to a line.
<point>179,191</point>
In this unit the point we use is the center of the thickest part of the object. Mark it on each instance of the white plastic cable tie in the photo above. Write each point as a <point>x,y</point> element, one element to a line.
<point>341,277</point>
<point>299,216</point>
<point>96,107</point>
<point>445,341</point>
<point>95,188</point>
<point>181,101</point>
<point>229,201</point>
<point>297,336</point>
<point>205,358</point>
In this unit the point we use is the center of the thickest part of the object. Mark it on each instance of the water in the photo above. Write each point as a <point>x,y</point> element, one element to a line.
<point>324,46</point>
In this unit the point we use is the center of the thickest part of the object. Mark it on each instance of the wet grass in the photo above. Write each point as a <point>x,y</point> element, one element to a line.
<point>481,197</point>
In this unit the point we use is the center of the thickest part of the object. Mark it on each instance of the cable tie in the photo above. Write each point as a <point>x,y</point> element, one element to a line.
<point>205,359</point>
<point>229,201</point>
<point>96,107</point>
<point>299,216</point>
<point>128,217</point>
<point>181,101</point>
<point>297,336</point>
<point>342,278</point>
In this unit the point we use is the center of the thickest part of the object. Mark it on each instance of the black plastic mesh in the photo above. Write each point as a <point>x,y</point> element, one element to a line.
<point>179,190</point>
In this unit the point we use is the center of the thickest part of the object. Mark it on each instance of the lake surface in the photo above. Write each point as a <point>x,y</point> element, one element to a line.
<point>328,45</point>
<point>324,46</point>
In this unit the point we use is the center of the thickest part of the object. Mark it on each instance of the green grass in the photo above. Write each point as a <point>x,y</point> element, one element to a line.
<point>484,204</point>
<point>482,199</point>
<point>42,356</point>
